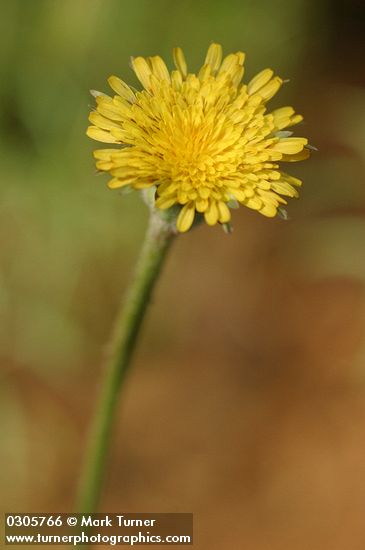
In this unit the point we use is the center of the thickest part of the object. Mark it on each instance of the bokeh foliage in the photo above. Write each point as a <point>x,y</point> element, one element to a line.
<point>254,339</point>
<point>61,224</point>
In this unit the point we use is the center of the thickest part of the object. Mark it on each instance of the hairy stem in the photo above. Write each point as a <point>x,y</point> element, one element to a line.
<point>123,342</point>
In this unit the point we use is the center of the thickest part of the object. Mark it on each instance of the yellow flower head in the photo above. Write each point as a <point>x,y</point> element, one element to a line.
<point>206,141</point>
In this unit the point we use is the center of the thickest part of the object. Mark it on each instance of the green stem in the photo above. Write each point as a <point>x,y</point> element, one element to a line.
<point>158,238</point>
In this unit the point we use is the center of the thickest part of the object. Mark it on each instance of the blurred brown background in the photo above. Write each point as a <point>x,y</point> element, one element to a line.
<point>246,401</point>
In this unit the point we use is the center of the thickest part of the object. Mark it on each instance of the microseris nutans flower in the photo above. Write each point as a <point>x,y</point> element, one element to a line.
<point>206,141</point>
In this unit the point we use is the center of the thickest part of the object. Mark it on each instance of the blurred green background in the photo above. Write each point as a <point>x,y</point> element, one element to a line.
<point>246,402</point>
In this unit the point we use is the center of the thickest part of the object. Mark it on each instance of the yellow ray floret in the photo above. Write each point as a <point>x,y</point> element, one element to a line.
<point>204,141</point>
